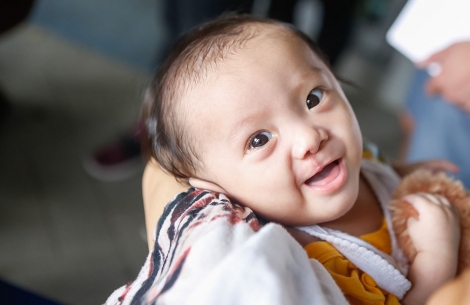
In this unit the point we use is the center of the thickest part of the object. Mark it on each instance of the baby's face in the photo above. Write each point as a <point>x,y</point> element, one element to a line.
<point>275,131</point>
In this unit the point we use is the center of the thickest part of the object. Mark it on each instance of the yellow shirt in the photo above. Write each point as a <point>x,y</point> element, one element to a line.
<point>357,286</point>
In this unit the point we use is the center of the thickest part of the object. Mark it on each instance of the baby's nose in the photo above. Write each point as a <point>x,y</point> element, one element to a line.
<point>308,141</point>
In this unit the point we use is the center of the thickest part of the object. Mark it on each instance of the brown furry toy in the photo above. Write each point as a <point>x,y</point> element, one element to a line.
<point>440,184</point>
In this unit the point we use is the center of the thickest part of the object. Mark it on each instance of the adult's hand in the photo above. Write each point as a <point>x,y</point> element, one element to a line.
<point>453,82</point>
<point>456,292</point>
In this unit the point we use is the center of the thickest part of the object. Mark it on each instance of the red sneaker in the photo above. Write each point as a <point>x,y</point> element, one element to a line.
<point>118,160</point>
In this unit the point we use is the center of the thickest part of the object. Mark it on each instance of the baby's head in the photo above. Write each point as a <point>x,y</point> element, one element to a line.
<point>249,107</point>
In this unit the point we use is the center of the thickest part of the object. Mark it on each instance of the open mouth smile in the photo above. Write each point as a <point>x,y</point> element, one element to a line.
<point>330,178</point>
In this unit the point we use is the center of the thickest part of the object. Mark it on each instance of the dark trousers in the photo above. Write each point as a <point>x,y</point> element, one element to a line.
<point>337,23</point>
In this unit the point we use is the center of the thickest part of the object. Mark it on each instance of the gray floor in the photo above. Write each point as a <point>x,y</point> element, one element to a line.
<point>62,233</point>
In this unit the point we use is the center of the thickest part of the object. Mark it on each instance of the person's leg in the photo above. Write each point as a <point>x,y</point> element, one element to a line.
<point>440,130</point>
<point>191,13</point>
<point>338,17</point>
<point>282,10</point>
<point>12,13</point>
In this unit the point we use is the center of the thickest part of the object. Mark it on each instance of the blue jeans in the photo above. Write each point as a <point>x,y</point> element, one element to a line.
<point>441,130</point>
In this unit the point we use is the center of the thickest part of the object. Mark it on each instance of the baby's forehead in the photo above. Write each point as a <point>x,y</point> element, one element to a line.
<point>269,37</point>
<point>281,43</point>
<point>252,71</point>
<point>206,61</point>
<point>273,39</point>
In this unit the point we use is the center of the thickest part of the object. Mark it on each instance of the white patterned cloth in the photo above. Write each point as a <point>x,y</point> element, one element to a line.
<point>210,250</point>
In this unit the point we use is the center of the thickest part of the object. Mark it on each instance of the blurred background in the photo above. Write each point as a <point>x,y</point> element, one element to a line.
<point>72,76</point>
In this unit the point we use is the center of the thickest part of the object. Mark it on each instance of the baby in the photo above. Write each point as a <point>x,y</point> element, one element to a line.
<point>250,108</point>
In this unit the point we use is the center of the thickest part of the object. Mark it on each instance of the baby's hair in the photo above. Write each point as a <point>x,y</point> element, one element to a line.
<point>187,64</point>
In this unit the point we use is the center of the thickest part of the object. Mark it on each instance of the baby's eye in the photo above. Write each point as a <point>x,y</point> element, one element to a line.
<point>314,98</point>
<point>259,139</point>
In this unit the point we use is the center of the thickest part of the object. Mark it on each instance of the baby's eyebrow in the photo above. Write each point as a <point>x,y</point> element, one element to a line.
<point>314,70</point>
<point>239,124</point>
<point>310,72</point>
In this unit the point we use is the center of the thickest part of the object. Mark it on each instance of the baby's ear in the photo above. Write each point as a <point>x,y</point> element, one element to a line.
<point>206,185</point>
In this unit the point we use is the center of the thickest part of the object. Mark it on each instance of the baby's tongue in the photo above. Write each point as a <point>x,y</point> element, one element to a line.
<point>322,174</point>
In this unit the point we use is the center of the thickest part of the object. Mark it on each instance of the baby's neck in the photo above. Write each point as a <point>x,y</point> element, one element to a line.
<point>365,216</point>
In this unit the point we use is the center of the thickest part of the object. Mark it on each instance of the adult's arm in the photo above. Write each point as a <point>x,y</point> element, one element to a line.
<point>158,189</point>
<point>453,82</point>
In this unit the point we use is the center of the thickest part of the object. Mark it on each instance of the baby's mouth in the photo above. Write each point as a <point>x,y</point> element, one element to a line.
<point>330,171</point>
